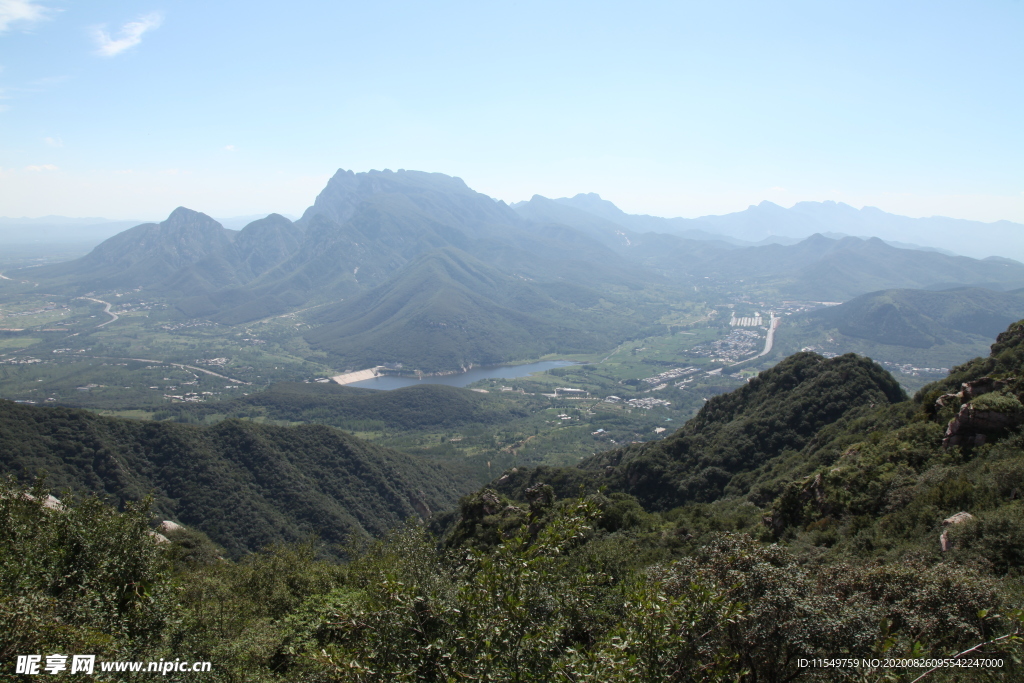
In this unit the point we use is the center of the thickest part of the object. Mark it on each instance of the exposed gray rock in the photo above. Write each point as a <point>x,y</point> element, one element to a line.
<point>167,526</point>
<point>974,424</point>
<point>159,538</point>
<point>958,518</point>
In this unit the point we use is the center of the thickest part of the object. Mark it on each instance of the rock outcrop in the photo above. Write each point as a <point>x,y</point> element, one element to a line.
<point>958,518</point>
<point>985,413</point>
<point>167,526</point>
<point>972,427</point>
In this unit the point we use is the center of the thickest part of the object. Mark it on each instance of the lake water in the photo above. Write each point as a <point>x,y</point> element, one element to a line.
<point>386,382</point>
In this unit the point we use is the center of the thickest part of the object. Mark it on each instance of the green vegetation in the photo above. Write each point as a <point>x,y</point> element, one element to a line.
<point>736,434</point>
<point>808,509</point>
<point>449,310</point>
<point>244,484</point>
<point>818,533</point>
<point>916,327</point>
<point>562,594</point>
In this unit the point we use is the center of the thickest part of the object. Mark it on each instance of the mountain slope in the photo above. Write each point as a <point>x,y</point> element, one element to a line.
<point>448,310</point>
<point>716,453</point>
<point>245,485</point>
<point>817,267</point>
<point>365,227</point>
<point>781,409</point>
<point>907,317</point>
<point>837,270</point>
<point>907,326</point>
<point>187,253</point>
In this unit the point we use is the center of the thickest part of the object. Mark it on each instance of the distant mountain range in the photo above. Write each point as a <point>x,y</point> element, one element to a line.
<point>63,230</point>
<point>768,223</point>
<point>818,267</point>
<point>419,268</point>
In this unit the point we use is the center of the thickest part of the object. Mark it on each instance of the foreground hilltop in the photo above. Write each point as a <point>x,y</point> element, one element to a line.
<point>830,454</point>
<point>735,438</point>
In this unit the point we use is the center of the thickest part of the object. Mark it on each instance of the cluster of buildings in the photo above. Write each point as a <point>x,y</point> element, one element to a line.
<point>733,348</point>
<point>661,380</point>
<point>746,321</point>
<point>823,354</point>
<point>908,369</point>
<point>173,327</point>
<point>139,306</point>
<point>190,397</point>
<point>647,403</point>
<point>791,307</point>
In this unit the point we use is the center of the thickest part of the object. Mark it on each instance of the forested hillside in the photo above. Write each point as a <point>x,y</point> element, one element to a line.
<point>449,310</point>
<point>245,485</point>
<point>921,327</point>
<point>719,452</point>
<point>430,406</point>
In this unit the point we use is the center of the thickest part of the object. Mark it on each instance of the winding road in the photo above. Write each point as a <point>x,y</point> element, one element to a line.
<point>106,309</point>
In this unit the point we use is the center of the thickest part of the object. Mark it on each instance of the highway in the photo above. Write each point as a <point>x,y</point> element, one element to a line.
<point>770,339</point>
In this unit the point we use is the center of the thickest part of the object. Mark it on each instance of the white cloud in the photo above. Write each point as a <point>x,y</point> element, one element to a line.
<point>21,10</point>
<point>54,142</point>
<point>129,36</point>
<point>42,167</point>
<point>230,148</point>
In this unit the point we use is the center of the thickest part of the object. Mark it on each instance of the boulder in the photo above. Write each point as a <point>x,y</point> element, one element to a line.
<point>958,518</point>
<point>159,538</point>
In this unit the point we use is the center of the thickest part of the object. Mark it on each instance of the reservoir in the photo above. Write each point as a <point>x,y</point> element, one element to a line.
<point>462,379</point>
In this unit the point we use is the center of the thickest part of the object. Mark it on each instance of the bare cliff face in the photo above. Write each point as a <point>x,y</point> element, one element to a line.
<point>981,400</point>
<point>988,408</point>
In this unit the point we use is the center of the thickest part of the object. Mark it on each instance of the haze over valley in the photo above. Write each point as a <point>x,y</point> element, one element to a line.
<point>415,275</point>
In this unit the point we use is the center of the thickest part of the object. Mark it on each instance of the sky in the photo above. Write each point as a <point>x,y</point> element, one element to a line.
<point>129,109</point>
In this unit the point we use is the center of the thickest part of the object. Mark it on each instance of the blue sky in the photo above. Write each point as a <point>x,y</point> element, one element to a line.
<point>129,109</point>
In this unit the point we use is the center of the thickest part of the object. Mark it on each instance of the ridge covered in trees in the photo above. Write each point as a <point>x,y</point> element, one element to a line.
<point>246,485</point>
